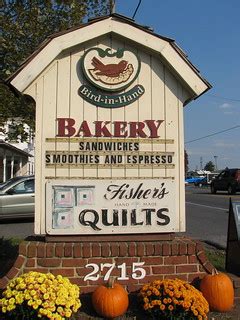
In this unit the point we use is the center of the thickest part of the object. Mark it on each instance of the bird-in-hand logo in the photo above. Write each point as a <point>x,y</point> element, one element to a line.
<point>110,72</point>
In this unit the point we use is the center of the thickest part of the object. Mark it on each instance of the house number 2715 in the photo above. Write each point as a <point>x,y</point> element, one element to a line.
<point>137,272</point>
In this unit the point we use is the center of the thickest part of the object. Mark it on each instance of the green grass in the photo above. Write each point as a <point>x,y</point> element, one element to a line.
<point>217,258</point>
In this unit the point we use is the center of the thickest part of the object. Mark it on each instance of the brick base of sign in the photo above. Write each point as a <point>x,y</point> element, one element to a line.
<point>180,257</point>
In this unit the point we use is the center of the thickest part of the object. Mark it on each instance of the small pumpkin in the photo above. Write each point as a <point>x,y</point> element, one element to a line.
<point>217,288</point>
<point>110,300</point>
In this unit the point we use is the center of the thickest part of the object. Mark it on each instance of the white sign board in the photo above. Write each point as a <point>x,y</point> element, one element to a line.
<point>109,112</point>
<point>107,207</point>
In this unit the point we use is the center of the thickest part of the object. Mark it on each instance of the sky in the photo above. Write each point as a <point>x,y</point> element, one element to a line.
<point>209,32</point>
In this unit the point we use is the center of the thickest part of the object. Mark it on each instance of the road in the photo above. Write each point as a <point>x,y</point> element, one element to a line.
<point>207,215</point>
<point>206,218</point>
<point>19,229</point>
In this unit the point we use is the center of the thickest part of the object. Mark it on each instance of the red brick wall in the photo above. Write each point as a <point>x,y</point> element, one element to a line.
<point>180,257</point>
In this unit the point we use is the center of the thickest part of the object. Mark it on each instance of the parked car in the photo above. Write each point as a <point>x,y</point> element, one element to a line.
<point>227,180</point>
<point>206,181</point>
<point>193,179</point>
<point>202,182</point>
<point>17,198</point>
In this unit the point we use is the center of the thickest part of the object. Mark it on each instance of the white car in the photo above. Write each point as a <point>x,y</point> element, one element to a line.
<point>17,198</point>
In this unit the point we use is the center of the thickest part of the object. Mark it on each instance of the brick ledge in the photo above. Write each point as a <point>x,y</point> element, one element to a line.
<point>180,257</point>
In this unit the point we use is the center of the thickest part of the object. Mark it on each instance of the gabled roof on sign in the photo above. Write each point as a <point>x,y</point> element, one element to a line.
<point>142,35</point>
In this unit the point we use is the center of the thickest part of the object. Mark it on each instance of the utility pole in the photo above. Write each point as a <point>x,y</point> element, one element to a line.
<point>201,163</point>
<point>112,6</point>
<point>215,157</point>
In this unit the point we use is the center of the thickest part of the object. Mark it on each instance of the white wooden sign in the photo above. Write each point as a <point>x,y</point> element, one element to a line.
<point>109,114</point>
<point>107,207</point>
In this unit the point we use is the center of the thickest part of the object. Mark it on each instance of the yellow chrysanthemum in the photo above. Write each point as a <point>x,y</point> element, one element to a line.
<point>44,293</point>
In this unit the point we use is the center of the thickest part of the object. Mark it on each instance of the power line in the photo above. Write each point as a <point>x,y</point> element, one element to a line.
<point>224,98</point>
<point>213,134</point>
<point>139,3</point>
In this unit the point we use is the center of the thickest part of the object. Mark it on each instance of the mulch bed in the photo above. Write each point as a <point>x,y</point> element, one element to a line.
<point>87,312</point>
<point>135,313</point>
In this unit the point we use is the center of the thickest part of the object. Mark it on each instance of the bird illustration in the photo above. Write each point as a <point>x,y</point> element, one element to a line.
<point>109,70</point>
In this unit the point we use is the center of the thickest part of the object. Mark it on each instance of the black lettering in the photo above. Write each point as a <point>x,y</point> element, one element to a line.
<point>64,158</point>
<point>81,158</point>
<point>157,193</point>
<point>95,146</point>
<point>97,158</point>
<point>141,159</point>
<point>148,216</point>
<point>136,192</point>
<point>93,223</point>
<point>134,218</point>
<point>116,190</point>
<point>87,146</point>
<point>162,216</point>
<point>70,158</point>
<point>146,193</point>
<point>108,146</point>
<point>91,159</point>
<point>163,192</point>
<point>169,159</point>
<point>115,221</point>
<point>107,159</point>
<point>136,146</point>
<point>130,194</point>
<point>119,146</point>
<point>113,159</point>
<point>48,158</point>
<point>56,158</point>
<point>124,217</point>
<point>81,145</point>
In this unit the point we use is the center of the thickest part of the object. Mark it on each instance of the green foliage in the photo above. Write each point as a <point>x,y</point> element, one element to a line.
<point>209,166</point>
<point>24,26</point>
<point>21,312</point>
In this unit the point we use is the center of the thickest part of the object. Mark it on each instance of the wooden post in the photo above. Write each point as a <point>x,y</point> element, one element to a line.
<point>4,166</point>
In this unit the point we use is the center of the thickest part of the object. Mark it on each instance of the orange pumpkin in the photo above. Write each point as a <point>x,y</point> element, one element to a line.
<point>217,288</point>
<point>110,300</point>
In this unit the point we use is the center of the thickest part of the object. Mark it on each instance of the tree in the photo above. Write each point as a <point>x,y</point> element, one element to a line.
<point>209,166</point>
<point>24,25</point>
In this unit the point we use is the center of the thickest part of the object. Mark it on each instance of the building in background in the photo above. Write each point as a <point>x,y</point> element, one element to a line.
<point>16,158</point>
